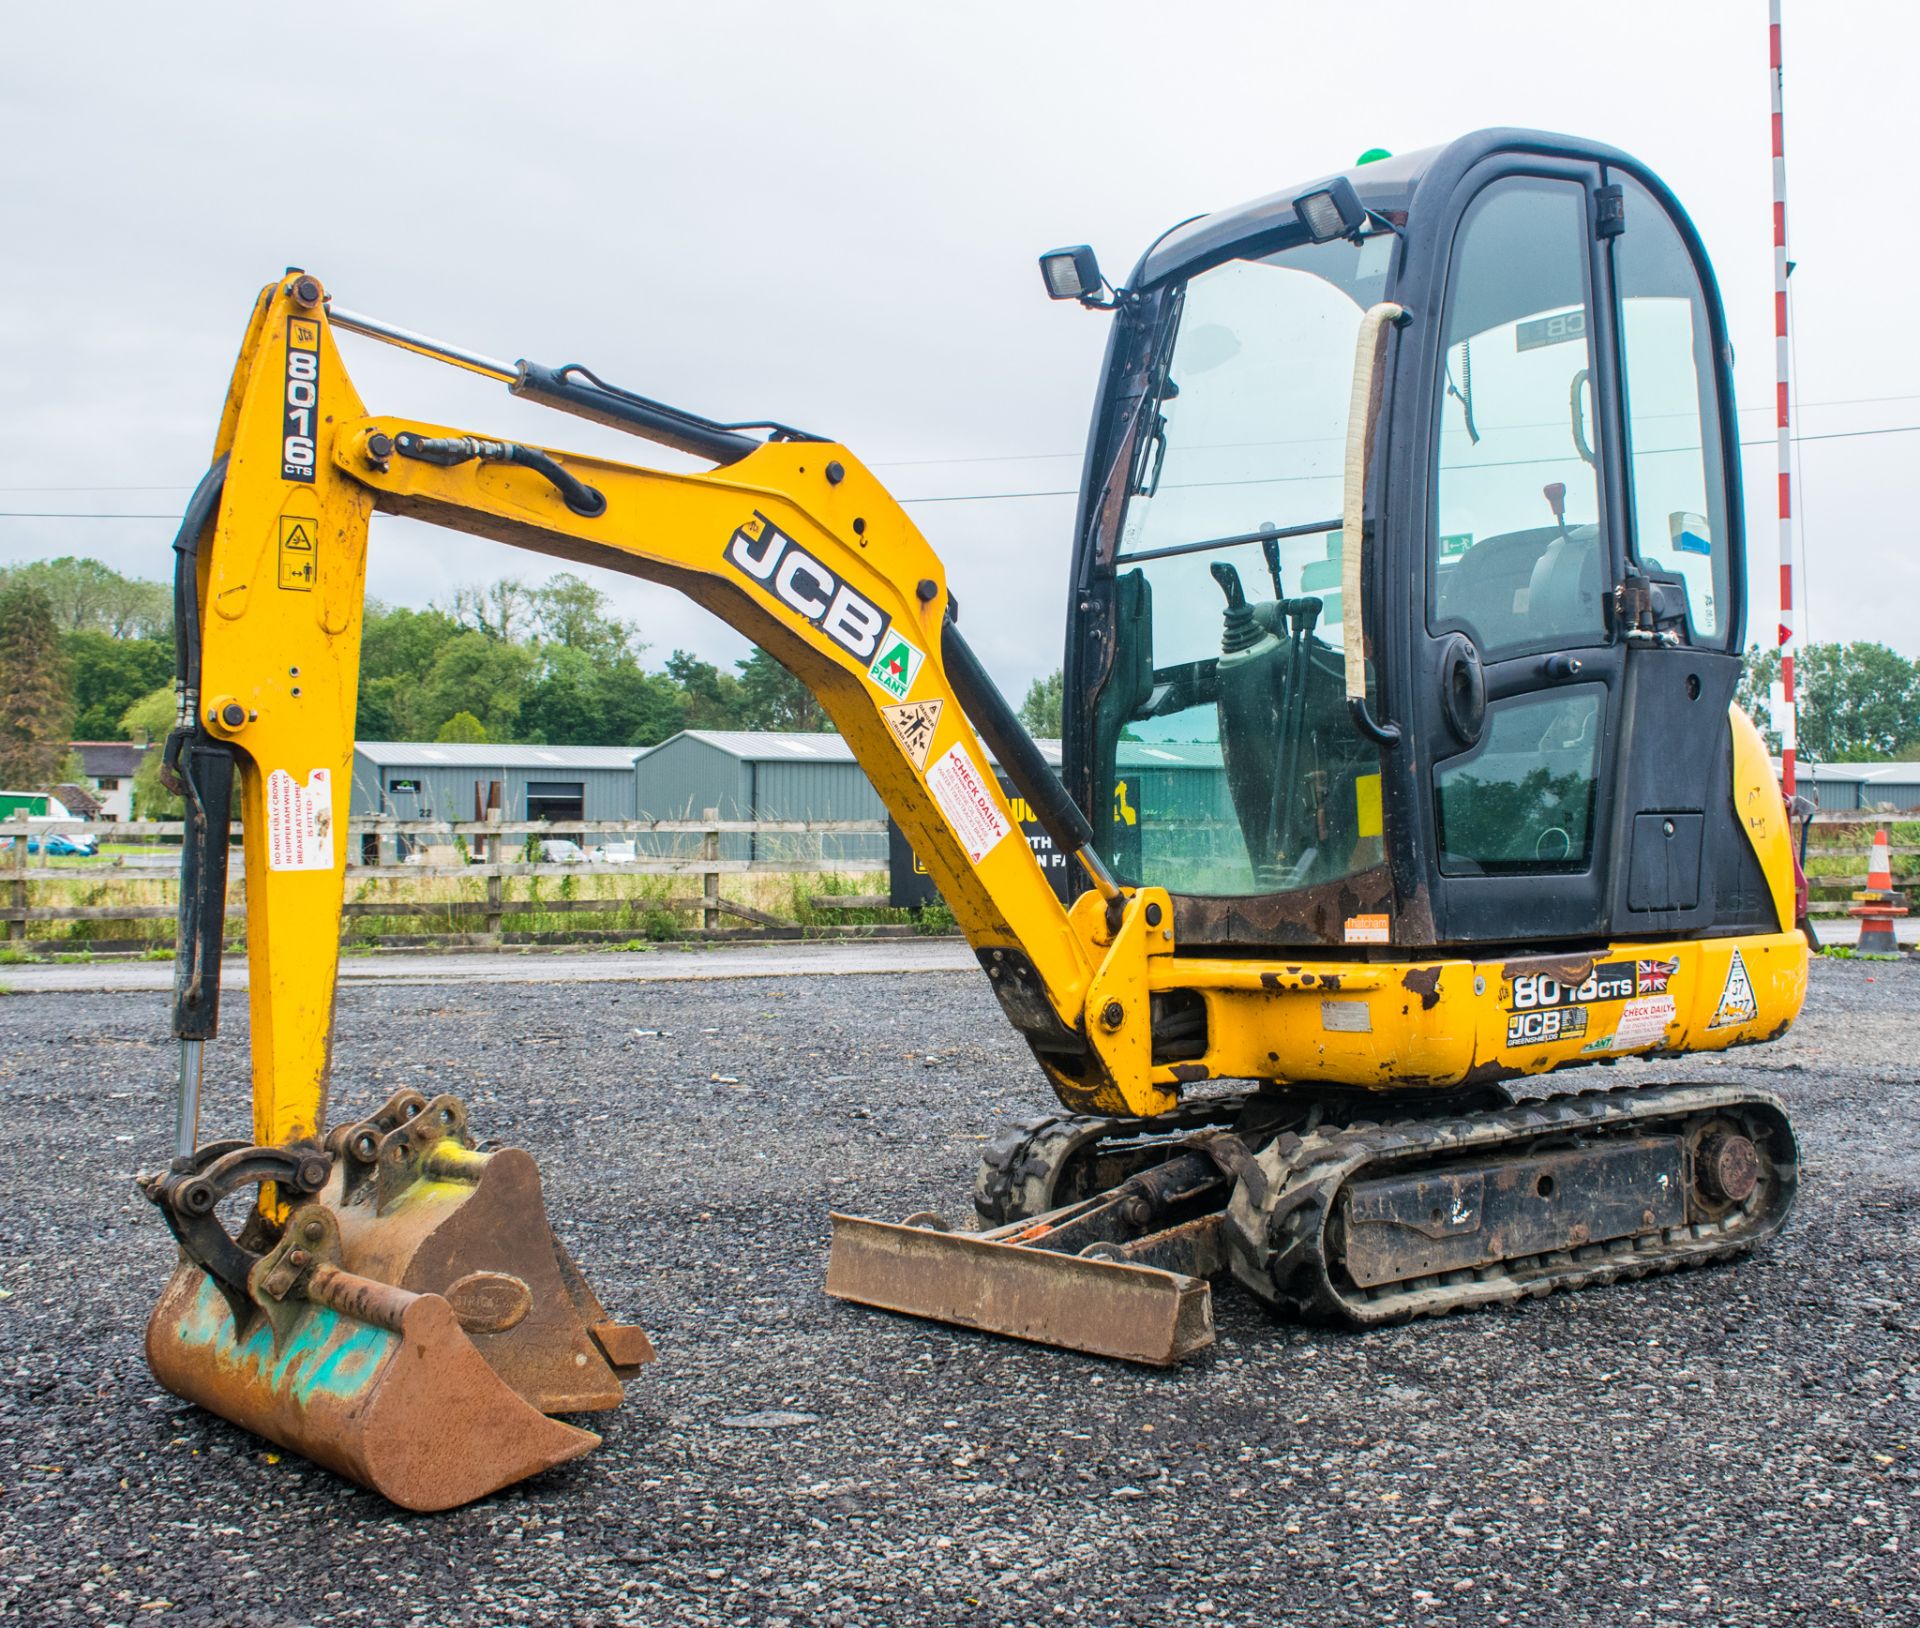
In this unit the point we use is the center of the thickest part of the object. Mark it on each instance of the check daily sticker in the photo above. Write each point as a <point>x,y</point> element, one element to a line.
<point>965,796</point>
<point>1643,1022</point>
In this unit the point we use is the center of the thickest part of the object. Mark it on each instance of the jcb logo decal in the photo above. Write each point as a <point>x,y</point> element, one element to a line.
<point>762,551</point>
<point>1550,1023</point>
<point>303,398</point>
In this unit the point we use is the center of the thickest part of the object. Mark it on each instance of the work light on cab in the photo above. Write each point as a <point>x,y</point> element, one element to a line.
<point>1072,274</point>
<point>1332,211</point>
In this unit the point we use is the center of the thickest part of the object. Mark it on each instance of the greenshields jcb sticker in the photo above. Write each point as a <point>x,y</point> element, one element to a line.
<point>897,666</point>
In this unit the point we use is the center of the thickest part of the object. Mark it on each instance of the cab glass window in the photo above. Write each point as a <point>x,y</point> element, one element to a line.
<point>1518,557</point>
<point>1522,799</point>
<point>1673,418</point>
<point>1223,724</point>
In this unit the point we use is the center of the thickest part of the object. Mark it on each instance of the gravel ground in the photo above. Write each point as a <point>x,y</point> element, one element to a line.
<point>1736,1445</point>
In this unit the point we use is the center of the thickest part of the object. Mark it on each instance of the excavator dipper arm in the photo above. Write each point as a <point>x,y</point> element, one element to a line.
<point>794,543</point>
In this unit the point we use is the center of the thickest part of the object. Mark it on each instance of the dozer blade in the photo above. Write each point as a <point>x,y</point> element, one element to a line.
<point>1106,1308</point>
<point>371,1381</point>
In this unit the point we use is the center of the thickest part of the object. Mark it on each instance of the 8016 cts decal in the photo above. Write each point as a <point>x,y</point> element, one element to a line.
<point>1610,981</point>
<point>303,398</point>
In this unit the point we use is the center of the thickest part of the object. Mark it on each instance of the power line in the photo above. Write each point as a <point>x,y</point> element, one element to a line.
<point>951,497</point>
<point>1044,457</point>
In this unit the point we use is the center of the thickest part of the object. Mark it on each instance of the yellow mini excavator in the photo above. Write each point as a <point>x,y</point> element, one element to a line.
<point>1401,765</point>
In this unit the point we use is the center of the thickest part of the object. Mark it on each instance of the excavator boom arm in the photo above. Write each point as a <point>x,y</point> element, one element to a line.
<point>795,544</point>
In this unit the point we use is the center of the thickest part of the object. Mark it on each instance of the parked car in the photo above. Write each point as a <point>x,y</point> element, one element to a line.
<point>68,844</point>
<point>60,844</point>
<point>560,851</point>
<point>616,853</point>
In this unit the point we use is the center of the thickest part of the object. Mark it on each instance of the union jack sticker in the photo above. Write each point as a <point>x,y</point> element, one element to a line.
<point>1652,977</point>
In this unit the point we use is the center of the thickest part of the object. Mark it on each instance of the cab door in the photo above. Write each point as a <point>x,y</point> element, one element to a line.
<point>1517,674</point>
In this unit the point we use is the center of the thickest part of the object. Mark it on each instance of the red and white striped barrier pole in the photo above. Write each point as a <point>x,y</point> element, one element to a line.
<point>1787,723</point>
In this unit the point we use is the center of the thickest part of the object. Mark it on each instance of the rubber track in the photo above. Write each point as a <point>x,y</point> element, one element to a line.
<point>1279,1246</point>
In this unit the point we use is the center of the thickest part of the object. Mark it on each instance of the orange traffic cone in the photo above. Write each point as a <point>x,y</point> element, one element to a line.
<point>1877,905</point>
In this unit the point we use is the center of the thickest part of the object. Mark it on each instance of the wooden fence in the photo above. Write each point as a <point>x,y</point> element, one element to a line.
<point>490,854</point>
<point>1829,893</point>
<point>497,854</point>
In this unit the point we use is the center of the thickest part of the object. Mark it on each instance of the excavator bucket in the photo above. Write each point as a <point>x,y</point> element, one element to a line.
<point>379,1385</point>
<point>411,1323</point>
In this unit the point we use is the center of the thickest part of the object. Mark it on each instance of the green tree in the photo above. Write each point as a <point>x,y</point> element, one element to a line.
<point>1857,703</point>
<point>563,706</point>
<point>772,698</point>
<point>501,610</point>
<point>88,594</point>
<point>148,720</point>
<point>36,707</point>
<point>1041,710</point>
<point>570,611</point>
<point>397,649</point>
<point>712,698</point>
<point>108,675</point>
<point>463,728</point>
<point>579,700</point>
<point>474,673</point>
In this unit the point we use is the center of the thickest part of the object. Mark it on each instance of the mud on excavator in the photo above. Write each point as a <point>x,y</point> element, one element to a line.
<point>1401,765</point>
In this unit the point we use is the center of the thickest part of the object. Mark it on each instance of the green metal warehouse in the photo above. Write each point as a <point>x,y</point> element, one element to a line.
<point>764,775</point>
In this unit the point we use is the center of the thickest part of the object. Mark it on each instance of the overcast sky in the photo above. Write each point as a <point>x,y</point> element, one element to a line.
<point>829,215</point>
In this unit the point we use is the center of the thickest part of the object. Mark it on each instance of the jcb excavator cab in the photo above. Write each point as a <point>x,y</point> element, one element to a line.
<point>1551,596</point>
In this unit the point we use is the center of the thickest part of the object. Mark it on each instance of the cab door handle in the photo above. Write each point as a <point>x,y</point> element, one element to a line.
<point>1463,688</point>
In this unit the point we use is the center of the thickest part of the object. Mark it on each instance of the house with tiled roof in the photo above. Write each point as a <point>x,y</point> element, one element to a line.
<point>108,769</point>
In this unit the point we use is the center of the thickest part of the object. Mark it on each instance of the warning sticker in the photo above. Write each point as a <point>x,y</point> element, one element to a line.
<point>897,665</point>
<point>300,822</point>
<point>1737,1001</point>
<point>914,723</point>
<point>965,796</point>
<point>298,552</point>
<point>1369,930</point>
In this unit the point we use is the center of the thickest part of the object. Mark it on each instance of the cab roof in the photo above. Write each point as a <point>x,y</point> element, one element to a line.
<point>1388,185</point>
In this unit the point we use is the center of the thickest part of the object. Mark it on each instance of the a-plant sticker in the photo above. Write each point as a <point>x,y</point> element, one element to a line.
<point>897,666</point>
